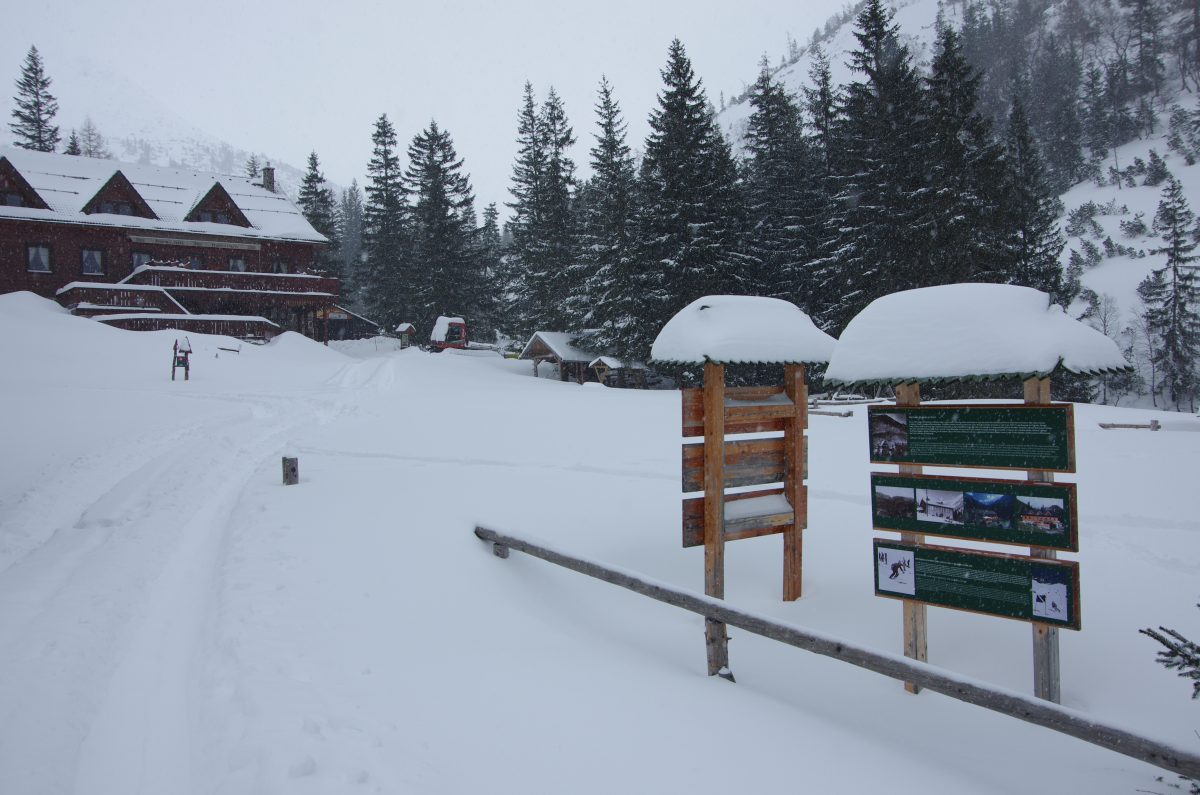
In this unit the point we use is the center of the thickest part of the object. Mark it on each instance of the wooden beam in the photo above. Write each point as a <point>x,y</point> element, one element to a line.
<point>1046,671</point>
<point>752,462</point>
<point>716,638</point>
<point>794,441</point>
<point>915,614</point>
<point>1032,710</point>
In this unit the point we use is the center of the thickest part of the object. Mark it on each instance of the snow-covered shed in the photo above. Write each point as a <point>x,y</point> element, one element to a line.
<point>960,332</point>
<point>405,332</point>
<point>565,350</point>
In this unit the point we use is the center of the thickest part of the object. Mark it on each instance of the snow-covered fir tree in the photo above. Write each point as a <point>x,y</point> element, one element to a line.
<point>525,224</point>
<point>384,288</point>
<point>35,107</point>
<point>73,147</point>
<point>252,168</point>
<point>1171,297</point>
<point>690,220</point>
<point>446,278</point>
<point>604,299</point>
<point>350,236</point>
<point>317,204</point>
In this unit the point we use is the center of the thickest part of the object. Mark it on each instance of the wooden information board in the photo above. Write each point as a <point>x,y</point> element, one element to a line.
<point>1026,513</point>
<point>1045,591</point>
<point>992,437</point>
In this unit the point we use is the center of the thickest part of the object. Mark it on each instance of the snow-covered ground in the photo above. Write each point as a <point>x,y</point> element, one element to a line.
<point>173,620</point>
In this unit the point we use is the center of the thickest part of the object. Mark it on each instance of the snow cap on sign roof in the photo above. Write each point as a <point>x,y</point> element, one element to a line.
<point>727,329</point>
<point>961,332</point>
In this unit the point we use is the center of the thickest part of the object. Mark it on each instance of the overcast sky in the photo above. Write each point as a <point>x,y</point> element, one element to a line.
<point>290,77</point>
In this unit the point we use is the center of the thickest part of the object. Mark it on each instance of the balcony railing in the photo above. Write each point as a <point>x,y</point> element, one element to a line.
<point>185,278</point>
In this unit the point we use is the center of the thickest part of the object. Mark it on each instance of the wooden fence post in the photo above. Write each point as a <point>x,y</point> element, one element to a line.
<point>716,638</point>
<point>916,638</point>
<point>1046,682</point>
<point>291,471</point>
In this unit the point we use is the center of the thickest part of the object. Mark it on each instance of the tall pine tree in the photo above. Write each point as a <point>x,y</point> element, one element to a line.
<point>1172,296</point>
<point>350,236</point>
<point>317,205</point>
<point>35,107</point>
<point>384,287</point>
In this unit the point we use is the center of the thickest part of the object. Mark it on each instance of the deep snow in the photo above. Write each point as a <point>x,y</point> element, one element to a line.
<point>173,620</point>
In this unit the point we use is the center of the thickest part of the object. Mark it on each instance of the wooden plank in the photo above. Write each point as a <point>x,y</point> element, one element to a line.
<point>716,638</point>
<point>693,418</point>
<point>753,392</point>
<point>914,614</point>
<point>757,413</point>
<point>795,472</point>
<point>751,462</point>
<point>1088,728</point>
<point>693,519</point>
<point>1046,670</point>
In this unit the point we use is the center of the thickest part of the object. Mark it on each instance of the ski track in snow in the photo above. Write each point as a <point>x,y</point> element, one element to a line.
<point>133,575</point>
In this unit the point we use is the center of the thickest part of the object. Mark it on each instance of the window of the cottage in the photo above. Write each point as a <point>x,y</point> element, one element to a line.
<point>281,266</point>
<point>140,258</point>
<point>195,262</point>
<point>37,258</point>
<point>91,262</point>
<point>13,200</point>
<point>237,264</point>
<point>116,207</point>
<point>214,217</point>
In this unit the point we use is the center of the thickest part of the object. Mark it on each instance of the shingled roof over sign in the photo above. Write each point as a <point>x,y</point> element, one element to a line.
<point>729,329</point>
<point>962,332</point>
<point>67,184</point>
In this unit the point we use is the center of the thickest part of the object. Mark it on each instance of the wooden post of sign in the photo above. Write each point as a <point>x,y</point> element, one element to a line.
<point>716,638</point>
<point>794,488</point>
<point>1045,636</point>
<point>916,639</point>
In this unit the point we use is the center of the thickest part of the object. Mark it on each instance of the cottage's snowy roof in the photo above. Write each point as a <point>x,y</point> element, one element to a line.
<point>613,363</point>
<point>561,344</point>
<point>740,328</point>
<point>966,331</point>
<point>67,183</point>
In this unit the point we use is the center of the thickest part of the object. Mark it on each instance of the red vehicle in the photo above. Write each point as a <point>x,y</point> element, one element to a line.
<point>448,332</point>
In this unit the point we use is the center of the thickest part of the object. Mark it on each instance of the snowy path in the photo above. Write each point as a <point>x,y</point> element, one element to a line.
<point>106,624</point>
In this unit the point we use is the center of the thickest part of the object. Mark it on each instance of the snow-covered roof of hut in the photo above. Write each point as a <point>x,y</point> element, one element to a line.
<point>405,328</point>
<point>741,328</point>
<point>562,344</point>
<point>967,331</point>
<point>67,184</point>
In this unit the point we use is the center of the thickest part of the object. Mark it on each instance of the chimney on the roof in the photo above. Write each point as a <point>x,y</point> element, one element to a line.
<point>268,175</point>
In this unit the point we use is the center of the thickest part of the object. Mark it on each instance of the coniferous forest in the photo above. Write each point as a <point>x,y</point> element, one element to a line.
<point>909,175</point>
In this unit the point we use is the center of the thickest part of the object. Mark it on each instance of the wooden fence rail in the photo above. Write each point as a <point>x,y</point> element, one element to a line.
<point>1026,708</point>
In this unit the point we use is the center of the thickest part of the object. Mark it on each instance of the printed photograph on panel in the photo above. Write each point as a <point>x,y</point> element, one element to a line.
<point>993,511</point>
<point>889,436</point>
<point>895,571</point>
<point>1050,593</point>
<point>895,502</point>
<point>1041,515</point>
<point>942,507</point>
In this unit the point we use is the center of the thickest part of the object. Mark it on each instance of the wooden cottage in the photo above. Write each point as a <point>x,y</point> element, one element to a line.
<point>148,247</point>
<point>562,349</point>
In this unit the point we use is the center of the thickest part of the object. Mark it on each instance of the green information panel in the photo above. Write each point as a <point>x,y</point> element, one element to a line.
<point>1005,511</point>
<point>993,437</point>
<point>1045,591</point>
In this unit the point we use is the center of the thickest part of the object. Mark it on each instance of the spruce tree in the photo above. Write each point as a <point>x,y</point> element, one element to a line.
<point>1172,298</point>
<point>525,225</point>
<point>447,279</point>
<point>317,205</point>
<point>1056,121</point>
<point>252,168</point>
<point>35,107</point>
<point>549,262</point>
<point>820,103</point>
<point>350,236</point>
<point>881,215</point>
<point>1033,240</point>
<point>690,219</point>
<point>489,253</point>
<point>73,147</point>
<point>384,288</point>
<point>782,193</point>
<point>605,296</point>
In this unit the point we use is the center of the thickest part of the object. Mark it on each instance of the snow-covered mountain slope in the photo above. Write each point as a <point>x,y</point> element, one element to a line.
<point>139,128</point>
<point>173,620</point>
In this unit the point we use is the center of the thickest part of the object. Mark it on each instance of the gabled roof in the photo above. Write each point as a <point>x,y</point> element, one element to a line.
<point>67,183</point>
<point>10,174</point>
<point>559,343</point>
<point>728,329</point>
<point>217,199</point>
<point>118,185</point>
